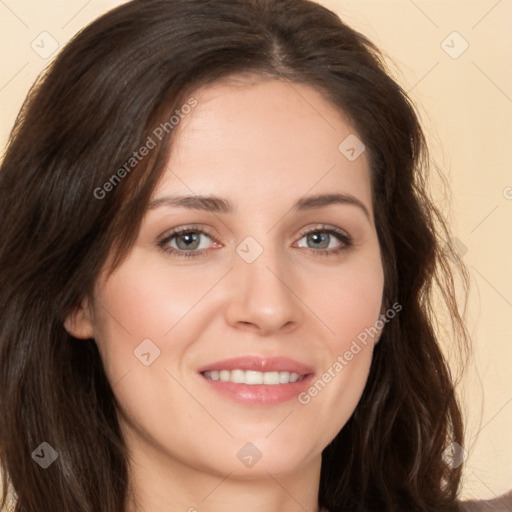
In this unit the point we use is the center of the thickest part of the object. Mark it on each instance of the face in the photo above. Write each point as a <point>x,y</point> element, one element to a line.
<point>268,287</point>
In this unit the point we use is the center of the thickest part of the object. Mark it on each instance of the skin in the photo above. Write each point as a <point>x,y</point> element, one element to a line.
<point>262,145</point>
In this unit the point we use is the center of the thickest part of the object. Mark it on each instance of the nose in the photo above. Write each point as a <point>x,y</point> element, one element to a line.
<point>263,296</point>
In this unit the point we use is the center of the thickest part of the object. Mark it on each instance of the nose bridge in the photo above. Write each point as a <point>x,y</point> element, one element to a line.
<point>263,293</point>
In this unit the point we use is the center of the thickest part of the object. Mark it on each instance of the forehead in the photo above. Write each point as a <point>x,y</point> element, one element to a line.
<point>253,139</point>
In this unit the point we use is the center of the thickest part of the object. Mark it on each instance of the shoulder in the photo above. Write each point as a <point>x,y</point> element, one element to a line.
<point>499,504</point>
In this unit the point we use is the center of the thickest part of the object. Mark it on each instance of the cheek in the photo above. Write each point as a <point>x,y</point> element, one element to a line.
<point>349,301</point>
<point>144,299</point>
<point>349,306</point>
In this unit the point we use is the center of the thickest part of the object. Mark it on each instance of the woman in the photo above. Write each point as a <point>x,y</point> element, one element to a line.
<point>217,266</point>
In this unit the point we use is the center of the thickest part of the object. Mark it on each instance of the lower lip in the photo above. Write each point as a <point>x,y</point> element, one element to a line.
<point>260,394</point>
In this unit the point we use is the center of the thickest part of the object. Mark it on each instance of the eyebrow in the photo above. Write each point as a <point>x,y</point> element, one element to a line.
<point>217,204</point>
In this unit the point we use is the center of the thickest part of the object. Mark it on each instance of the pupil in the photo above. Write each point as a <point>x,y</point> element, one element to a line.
<point>320,237</point>
<point>189,239</point>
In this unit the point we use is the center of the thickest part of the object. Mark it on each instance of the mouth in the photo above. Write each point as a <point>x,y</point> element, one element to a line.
<point>252,377</point>
<point>256,380</point>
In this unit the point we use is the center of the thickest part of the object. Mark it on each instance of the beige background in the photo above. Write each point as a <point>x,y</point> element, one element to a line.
<point>465,102</point>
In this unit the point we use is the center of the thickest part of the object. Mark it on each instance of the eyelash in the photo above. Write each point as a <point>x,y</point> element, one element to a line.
<point>346,240</point>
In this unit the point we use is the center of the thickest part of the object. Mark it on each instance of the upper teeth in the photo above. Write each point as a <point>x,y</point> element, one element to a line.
<point>253,377</point>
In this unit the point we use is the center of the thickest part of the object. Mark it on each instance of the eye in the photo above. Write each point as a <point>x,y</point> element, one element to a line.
<point>326,241</point>
<point>185,241</point>
<point>189,241</point>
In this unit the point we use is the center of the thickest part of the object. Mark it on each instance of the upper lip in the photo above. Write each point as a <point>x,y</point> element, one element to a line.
<point>260,364</point>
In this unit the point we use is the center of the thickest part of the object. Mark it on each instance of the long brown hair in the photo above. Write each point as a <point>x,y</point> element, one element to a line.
<point>95,105</point>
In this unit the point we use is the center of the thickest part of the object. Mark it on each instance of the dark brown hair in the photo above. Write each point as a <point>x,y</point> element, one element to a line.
<point>91,109</point>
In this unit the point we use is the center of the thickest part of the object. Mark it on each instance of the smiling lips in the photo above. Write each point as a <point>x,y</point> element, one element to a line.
<point>256,380</point>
